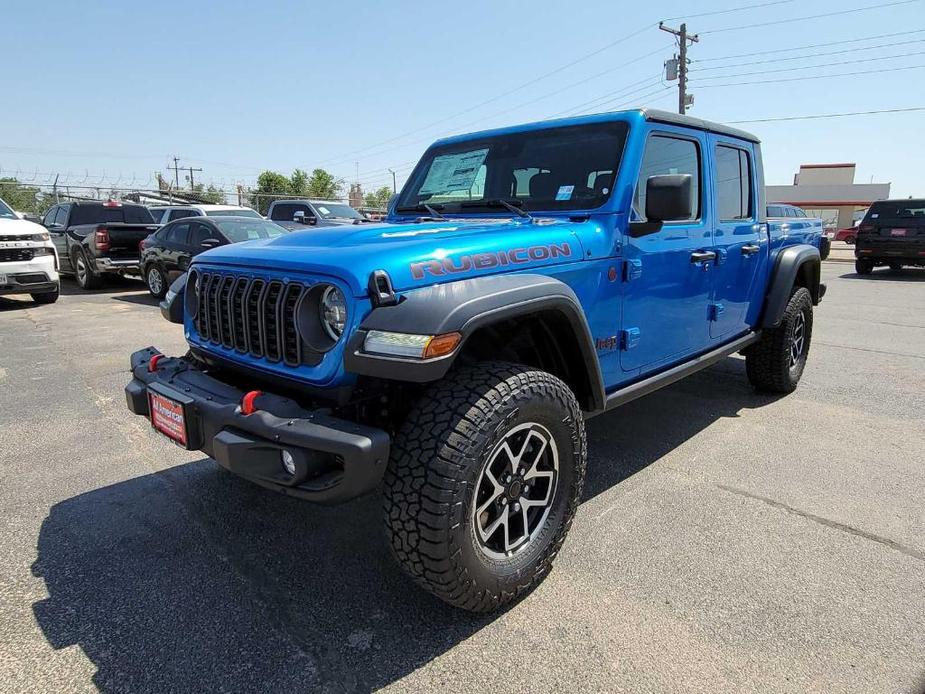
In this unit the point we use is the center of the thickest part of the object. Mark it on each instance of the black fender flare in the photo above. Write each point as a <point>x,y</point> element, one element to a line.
<point>792,262</point>
<point>465,307</point>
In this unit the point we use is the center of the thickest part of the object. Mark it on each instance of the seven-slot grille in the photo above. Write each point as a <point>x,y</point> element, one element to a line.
<point>12,255</point>
<point>252,316</point>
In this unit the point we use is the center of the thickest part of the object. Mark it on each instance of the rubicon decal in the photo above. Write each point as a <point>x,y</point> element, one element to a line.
<point>486,261</point>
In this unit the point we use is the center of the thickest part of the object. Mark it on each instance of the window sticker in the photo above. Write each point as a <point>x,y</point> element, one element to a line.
<point>323,210</point>
<point>452,172</point>
<point>565,192</point>
<point>874,215</point>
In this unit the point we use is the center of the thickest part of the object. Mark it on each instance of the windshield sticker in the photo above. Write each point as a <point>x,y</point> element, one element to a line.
<point>323,210</point>
<point>565,192</point>
<point>451,172</point>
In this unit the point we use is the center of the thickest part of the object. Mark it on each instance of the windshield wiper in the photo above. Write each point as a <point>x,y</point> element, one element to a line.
<point>514,206</point>
<point>432,210</point>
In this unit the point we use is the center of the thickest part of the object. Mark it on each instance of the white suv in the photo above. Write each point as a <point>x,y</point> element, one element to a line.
<point>167,213</point>
<point>28,262</point>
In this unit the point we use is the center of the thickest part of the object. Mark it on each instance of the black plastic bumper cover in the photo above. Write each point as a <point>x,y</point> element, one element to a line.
<point>335,459</point>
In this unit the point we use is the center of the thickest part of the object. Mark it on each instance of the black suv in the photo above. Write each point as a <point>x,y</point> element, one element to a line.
<point>166,253</point>
<point>892,233</point>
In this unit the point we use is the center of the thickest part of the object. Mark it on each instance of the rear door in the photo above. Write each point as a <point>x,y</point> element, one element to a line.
<point>669,273</point>
<point>738,235</point>
<point>176,248</point>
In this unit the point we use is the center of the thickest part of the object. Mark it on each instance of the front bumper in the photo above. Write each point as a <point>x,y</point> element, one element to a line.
<point>36,276</point>
<point>335,459</point>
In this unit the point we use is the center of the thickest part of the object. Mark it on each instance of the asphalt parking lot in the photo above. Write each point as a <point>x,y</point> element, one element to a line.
<point>727,541</point>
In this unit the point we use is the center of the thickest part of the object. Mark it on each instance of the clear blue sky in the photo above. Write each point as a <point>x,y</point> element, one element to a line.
<point>116,88</point>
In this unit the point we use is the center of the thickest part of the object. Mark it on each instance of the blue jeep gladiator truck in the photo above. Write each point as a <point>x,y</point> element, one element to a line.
<point>527,279</point>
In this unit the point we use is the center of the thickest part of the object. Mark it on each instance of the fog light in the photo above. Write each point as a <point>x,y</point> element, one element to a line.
<point>288,462</point>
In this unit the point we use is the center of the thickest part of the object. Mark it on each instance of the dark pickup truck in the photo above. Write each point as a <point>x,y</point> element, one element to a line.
<point>95,239</point>
<point>892,233</point>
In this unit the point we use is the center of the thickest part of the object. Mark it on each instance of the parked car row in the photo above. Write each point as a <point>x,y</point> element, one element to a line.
<point>93,240</point>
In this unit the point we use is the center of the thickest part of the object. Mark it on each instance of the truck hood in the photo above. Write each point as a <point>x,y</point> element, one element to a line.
<point>413,254</point>
<point>19,227</point>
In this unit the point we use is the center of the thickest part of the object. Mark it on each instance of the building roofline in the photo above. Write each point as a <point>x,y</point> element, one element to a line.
<point>846,165</point>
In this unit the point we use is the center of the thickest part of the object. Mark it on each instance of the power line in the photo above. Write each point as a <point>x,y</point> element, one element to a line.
<point>647,82</point>
<point>812,45</point>
<point>497,97</point>
<point>812,77</point>
<point>812,55</point>
<point>822,116</point>
<point>730,10</point>
<point>814,16</point>
<point>810,67</point>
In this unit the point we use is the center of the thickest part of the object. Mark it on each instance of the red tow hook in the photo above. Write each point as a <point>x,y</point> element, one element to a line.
<point>152,364</point>
<point>247,402</point>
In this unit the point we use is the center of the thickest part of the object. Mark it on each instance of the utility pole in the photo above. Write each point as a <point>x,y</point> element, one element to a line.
<point>394,187</point>
<point>684,100</point>
<point>176,170</point>
<point>191,182</point>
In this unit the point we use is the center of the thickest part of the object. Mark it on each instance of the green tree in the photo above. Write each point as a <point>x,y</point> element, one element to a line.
<point>298,183</point>
<point>323,185</point>
<point>378,199</point>
<point>23,198</point>
<point>269,184</point>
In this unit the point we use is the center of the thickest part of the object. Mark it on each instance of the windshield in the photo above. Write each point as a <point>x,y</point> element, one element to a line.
<point>565,168</point>
<point>233,213</point>
<point>897,209</point>
<point>246,230</point>
<point>6,212</point>
<point>330,210</point>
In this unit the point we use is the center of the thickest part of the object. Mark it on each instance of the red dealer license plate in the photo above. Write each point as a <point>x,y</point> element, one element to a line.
<point>168,418</point>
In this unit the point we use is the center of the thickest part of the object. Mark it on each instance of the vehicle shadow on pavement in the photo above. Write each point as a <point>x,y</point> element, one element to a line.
<point>907,274</point>
<point>193,579</point>
<point>112,285</point>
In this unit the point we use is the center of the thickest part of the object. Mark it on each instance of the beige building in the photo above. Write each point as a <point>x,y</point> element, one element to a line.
<point>829,191</point>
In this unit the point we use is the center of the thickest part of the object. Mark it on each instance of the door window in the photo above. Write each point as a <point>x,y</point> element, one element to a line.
<point>669,155</point>
<point>179,233</point>
<point>199,233</point>
<point>61,216</point>
<point>50,216</point>
<point>733,184</point>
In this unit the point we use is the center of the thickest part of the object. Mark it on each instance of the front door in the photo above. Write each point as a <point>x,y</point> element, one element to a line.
<point>739,239</point>
<point>668,274</point>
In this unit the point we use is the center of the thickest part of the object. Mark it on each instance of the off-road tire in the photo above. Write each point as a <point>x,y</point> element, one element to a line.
<point>164,284</point>
<point>46,297</point>
<point>863,267</point>
<point>439,455</point>
<point>86,278</point>
<point>768,361</point>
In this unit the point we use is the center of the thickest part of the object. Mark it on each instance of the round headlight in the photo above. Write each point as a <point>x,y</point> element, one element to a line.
<point>333,309</point>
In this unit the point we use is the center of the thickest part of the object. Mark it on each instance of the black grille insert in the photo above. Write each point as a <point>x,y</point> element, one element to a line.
<point>252,316</point>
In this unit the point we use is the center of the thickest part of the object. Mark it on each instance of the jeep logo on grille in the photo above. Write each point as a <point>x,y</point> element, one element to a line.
<point>487,261</point>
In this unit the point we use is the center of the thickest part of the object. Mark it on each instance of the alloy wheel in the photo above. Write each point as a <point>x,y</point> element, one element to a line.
<point>515,490</point>
<point>155,283</point>
<point>797,339</point>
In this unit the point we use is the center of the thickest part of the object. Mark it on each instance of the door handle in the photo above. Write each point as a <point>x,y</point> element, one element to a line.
<point>702,256</point>
<point>750,249</point>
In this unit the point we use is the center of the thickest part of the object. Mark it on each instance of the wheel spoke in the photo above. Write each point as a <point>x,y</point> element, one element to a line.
<point>502,519</point>
<point>533,472</point>
<point>496,491</point>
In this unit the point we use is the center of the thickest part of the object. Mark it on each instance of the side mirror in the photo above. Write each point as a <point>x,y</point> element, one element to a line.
<point>301,218</point>
<point>211,243</point>
<point>668,197</point>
